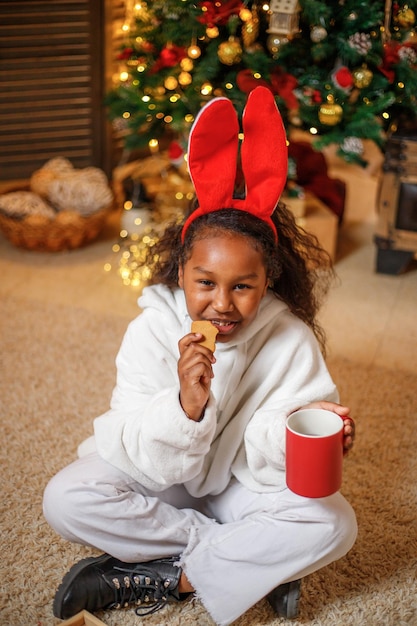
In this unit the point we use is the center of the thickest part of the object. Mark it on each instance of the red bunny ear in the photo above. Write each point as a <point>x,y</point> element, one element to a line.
<point>212,154</point>
<point>212,157</point>
<point>264,154</point>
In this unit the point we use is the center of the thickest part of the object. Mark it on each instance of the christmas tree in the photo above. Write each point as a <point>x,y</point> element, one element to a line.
<point>342,70</point>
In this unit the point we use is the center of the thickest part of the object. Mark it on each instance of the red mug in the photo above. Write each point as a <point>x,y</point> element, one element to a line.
<point>314,452</point>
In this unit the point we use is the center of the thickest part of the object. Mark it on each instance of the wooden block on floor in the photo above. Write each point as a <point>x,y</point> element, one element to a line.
<point>84,618</point>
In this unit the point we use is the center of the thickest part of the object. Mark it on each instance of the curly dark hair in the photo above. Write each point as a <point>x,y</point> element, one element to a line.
<point>299,271</point>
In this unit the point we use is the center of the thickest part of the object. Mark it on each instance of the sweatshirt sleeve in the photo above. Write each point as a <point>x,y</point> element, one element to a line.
<point>305,379</point>
<point>146,433</point>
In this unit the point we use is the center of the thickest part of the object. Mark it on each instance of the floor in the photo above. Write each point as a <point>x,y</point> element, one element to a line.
<point>369,317</point>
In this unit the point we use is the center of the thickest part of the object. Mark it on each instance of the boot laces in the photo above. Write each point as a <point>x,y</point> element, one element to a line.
<point>139,588</point>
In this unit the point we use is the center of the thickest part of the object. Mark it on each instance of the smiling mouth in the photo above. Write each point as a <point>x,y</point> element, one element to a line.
<point>223,326</point>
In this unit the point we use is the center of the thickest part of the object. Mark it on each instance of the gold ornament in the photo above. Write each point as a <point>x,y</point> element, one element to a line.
<point>185,79</point>
<point>330,113</point>
<point>406,17</point>
<point>230,51</point>
<point>245,14</point>
<point>411,38</point>
<point>362,77</point>
<point>250,29</point>
<point>170,82</point>
<point>186,64</point>
<point>212,32</point>
<point>318,33</point>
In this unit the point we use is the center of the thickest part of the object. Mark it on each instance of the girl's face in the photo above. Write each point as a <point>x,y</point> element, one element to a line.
<point>224,281</point>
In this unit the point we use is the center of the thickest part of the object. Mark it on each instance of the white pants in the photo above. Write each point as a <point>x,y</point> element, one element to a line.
<point>234,547</point>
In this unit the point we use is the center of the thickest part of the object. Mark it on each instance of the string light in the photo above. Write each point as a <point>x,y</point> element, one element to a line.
<point>206,89</point>
<point>132,254</point>
<point>194,52</point>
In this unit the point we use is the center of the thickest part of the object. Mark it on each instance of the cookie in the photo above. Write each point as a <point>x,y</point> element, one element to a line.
<point>208,331</point>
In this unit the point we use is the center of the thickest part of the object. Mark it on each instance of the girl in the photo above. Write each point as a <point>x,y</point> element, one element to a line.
<point>184,486</point>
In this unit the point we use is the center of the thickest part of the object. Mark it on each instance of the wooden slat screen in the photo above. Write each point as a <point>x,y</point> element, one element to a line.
<point>52,82</point>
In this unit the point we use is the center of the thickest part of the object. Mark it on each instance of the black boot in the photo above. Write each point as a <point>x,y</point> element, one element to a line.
<point>284,599</point>
<point>105,583</point>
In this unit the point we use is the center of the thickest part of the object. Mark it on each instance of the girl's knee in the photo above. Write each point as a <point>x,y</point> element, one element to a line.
<point>342,523</point>
<point>60,504</point>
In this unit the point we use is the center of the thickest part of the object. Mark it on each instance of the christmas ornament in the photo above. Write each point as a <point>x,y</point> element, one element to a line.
<point>250,29</point>
<point>186,64</point>
<point>284,17</point>
<point>230,51</point>
<point>362,77</point>
<point>405,17</point>
<point>407,54</point>
<point>274,44</point>
<point>170,56</point>
<point>185,78</point>
<point>175,153</point>
<point>342,78</point>
<point>212,32</point>
<point>171,83</point>
<point>330,113</point>
<point>317,34</point>
<point>219,12</point>
<point>352,145</point>
<point>411,38</point>
<point>245,14</point>
<point>361,42</point>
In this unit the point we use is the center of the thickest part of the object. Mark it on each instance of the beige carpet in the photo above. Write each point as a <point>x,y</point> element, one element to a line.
<point>57,373</point>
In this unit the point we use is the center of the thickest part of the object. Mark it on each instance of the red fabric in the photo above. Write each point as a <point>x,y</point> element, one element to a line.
<point>391,58</point>
<point>313,177</point>
<point>218,13</point>
<point>281,84</point>
<point>213,151</point>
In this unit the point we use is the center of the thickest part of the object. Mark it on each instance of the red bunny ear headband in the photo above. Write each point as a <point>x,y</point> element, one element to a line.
<point>212,157</point>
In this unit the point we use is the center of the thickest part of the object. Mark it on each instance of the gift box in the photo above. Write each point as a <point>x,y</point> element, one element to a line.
<point>320,221</point>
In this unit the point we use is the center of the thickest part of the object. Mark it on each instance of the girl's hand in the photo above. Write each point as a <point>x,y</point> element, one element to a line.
<point>343,411</point>
<point>195,372</point>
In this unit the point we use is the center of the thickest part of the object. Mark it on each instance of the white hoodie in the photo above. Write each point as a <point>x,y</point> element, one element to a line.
<point>272,367</point>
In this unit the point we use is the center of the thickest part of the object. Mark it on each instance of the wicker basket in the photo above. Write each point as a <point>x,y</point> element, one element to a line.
<point>66,231</point>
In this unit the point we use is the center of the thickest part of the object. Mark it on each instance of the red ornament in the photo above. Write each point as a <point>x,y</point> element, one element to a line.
<point>175,153</point>
<point>281,84</point>
<point>391,57</point>
<point>175,150</point>
<point>124,54</point>
<point>314,95</point>
<point>342,78</point>
<point>218,13</point>
<point>169,57</point>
